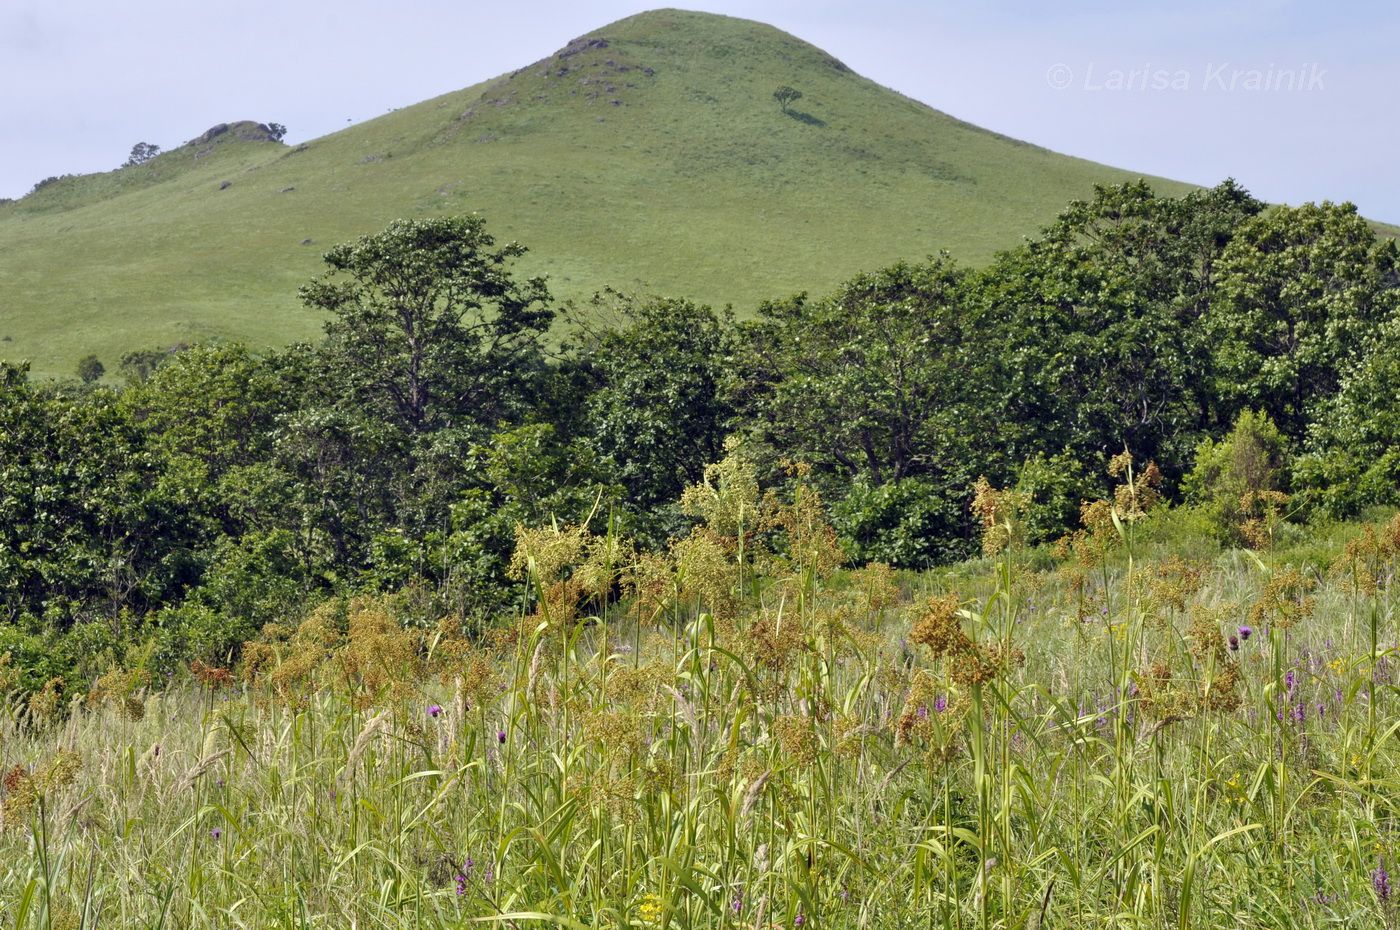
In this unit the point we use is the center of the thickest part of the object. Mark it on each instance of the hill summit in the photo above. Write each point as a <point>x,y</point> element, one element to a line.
<point>650,154</point>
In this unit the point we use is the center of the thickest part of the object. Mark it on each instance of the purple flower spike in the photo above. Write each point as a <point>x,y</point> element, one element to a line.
<point>501,736</point>
<point>1380,881</point>
<point>940,703</point>
<point>434,710</point>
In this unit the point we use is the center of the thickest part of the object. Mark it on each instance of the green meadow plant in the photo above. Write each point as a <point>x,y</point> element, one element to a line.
<point>738,733</point>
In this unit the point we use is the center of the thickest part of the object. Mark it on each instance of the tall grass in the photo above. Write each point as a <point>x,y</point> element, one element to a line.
<point>738,734</point>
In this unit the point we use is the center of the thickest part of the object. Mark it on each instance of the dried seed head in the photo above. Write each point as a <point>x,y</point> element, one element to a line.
<point>940,628</point>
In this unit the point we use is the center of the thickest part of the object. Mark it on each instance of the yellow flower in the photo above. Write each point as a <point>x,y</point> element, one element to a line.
<point>651,908</point>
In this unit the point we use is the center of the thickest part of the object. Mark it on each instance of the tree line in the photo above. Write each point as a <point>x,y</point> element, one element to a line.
<point>221,488</point>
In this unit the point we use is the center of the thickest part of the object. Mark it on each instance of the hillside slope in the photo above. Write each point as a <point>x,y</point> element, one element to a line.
<point>648,155</point>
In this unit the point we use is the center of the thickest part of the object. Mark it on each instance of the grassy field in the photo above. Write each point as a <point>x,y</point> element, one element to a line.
<point>649,155</point>
<point>1142,730</point>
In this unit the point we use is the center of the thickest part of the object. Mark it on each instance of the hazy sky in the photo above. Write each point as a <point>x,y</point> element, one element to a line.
<point>1295,99</point>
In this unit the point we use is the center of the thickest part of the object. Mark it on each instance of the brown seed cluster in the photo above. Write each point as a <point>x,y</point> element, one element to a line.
<point>1000,514</point>
<point>1284,601</point>
<point>797,738</point>
<point>1367,563</point>
<point>122,688</point>
<point>23,788</point>
<point>1139,491</point>
<point>939,628</point>
<point>1261,512</point>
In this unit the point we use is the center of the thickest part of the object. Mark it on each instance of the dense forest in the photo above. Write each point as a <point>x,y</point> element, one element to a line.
<point>169,511</point>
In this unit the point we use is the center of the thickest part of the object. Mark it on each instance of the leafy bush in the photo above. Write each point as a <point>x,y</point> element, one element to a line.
<point>1052,488</point>
<point>1253,458</point>
<point>1353,456</point>
<point>914,523</point>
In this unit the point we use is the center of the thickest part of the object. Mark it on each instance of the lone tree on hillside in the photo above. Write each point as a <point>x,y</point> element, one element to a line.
<point>786,96</point>
<point>276,131</point>
<point>91,369</point>
<point>141,153</point>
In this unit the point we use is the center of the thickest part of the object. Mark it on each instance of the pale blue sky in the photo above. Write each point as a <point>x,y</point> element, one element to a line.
<point>1149,89</point>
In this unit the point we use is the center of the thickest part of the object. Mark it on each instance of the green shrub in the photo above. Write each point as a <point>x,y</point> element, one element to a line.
<point>1052,488</point>
<point>176,635</point>
<point>914,523</point>
<point>1253,458</point>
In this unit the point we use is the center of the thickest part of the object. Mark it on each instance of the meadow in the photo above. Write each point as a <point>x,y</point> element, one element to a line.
<point>1134,728</point>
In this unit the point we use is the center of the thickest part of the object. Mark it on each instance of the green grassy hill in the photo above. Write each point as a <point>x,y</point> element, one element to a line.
<point>647,155</point>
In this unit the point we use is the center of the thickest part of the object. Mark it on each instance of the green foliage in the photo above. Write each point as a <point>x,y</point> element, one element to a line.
<point>1093,327</point>
<point>908,523</point>
<point>1352,455</point>
<point>221,489</point>
<point>1252,458</point>
<point>141,153</point>
<point>82,524</point>
<point>1300,290</point>
<point>786,97</point>
<point>138,365</point>
<point>657,413</point>
<point>90,369</point>
<point>428,322</point>
<point>1052,489</point>
<point>876,379</point>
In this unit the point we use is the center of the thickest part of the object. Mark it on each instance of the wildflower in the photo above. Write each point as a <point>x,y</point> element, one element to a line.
<point>651,909</point>
<point>1246,632</point>
<point>1290,681</point>
<point>1380,881</point>
<point>501,736</point>
<point>216,834</point>
<point>434,710</point>
<point>737,905</point>
<point>1299,713</point>
<point>799,920</point>
<point>940,703</point>
<point>1234,643</point>
<point>461,884</point>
